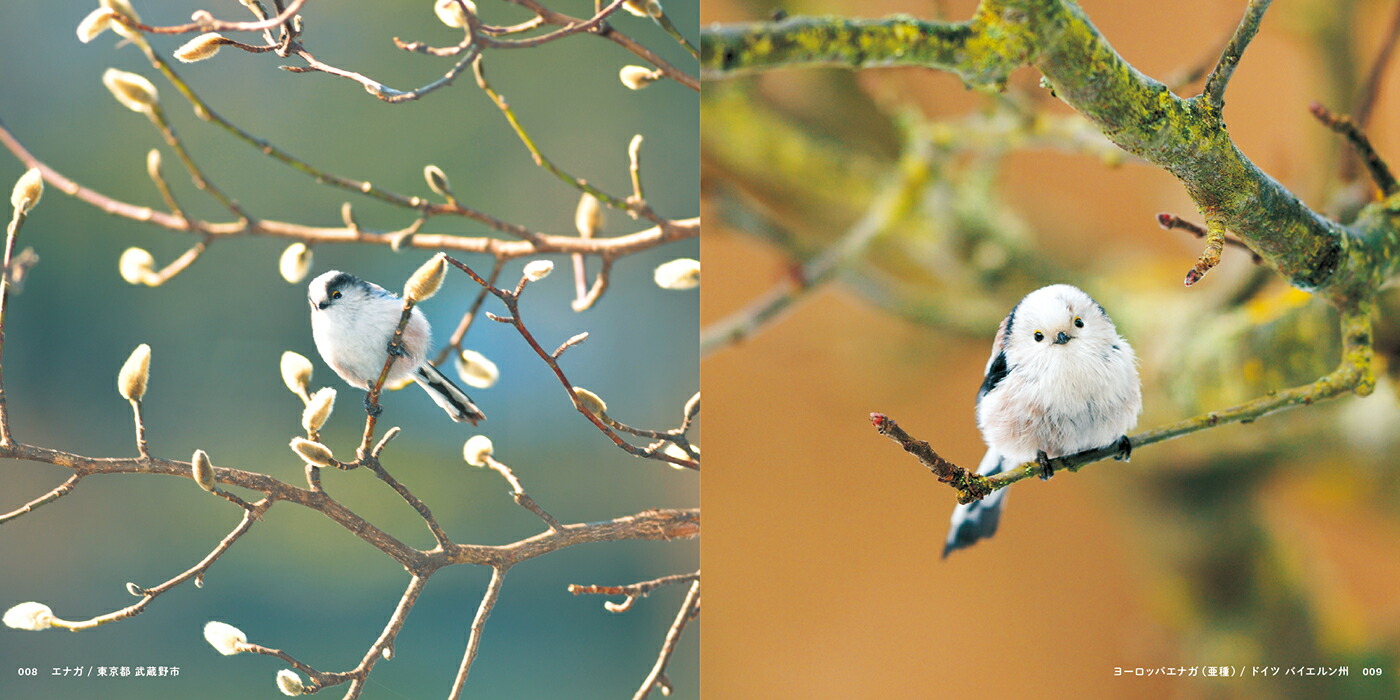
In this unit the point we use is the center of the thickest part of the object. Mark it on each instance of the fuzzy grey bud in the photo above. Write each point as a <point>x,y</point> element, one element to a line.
<point>203,470</point>
<point>131,381</point>
<point>427,280</point>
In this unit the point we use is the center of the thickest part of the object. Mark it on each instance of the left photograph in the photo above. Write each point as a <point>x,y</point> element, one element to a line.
<point>350,350</point>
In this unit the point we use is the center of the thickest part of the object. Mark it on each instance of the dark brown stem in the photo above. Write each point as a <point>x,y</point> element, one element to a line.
<point>1342,124</point>
<point>690,609</point>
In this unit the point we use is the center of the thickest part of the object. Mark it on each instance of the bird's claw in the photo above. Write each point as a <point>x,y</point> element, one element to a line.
<point>1046,471</point>
<point>396,348</point>
<point>372,408</point>
<point>1125,449</point>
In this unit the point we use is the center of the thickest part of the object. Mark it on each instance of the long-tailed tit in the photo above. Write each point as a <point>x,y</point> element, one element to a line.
<point>1060,381</point>
<point>352,322</point>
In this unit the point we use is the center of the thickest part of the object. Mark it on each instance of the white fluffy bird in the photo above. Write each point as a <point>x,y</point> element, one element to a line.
<point>1060,381</point>
<point>352,322</point>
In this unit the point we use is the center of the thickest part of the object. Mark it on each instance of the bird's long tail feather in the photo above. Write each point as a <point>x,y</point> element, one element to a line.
<point>444,393</point>
<point>977,520</point>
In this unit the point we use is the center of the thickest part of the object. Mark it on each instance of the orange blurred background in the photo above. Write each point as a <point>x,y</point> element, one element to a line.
<point>1274,544</point>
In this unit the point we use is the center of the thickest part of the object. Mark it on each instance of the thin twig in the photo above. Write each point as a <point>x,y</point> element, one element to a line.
<point>1375,165</point>
<point>690,609</point>
<point>1172,221</point>
<point>518,493</point>
<point>58,492</point>
<point>632,591</point>
<point>1219,77</point>
<point>488,601</point>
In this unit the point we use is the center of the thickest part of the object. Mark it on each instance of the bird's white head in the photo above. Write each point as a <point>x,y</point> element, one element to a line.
<point>335,292</point>
<point>1057,323</point>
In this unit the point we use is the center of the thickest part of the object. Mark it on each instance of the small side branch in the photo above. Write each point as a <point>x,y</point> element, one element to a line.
<point>58,492</point>
<point>1215,245</point>
<point>1219,78</point>
<point>631,591</point>
<point>1172,221</point>
<point>488,601</point>
<point>970,486</point>
<point>1342,124</point>
<point>690,609</point>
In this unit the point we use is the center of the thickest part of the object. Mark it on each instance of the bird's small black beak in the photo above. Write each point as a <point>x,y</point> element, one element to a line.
<point>1061,338</point>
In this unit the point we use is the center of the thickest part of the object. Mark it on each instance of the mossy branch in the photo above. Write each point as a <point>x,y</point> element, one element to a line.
<point>1355,375</point>
<point>1185,136</point>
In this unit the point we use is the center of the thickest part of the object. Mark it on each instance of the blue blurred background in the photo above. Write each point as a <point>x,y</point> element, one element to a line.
<point>297,581</point>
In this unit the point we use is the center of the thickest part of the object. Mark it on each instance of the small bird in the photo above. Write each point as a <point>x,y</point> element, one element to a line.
<point>1060,381</point>
<point>352,322</point>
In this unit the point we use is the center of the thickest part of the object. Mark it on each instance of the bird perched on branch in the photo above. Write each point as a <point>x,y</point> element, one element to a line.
<point>352,322</point>
<point>1060,381</point>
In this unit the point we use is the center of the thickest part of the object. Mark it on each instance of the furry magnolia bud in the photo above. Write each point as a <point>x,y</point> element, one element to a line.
<point>226,638</point>
<point>476,370</point>
<point>681,273</point>
<point>123,8</point>
<point>29,616</point>
<point>638,77</point>
<point>295,262</point>
<point>296,372</point>
<point>427,280</point>
<point>201,47</point>
<point>92,26</point>
<point>137,266</point>
<point>289,682</point>
<point>131,381</point>
<point>451,14</point>
<point>203,470</point>
<point>591,401</point>
<point>318,409</point>
<point>437,180</point>
<point>28,189</point>
<point>133,91</point>
<point>477,449</point>
<point>536,270</point>
<point>313,452</point>
<point>588,217</point>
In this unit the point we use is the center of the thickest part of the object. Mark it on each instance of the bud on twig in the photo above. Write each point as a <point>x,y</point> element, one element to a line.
<point>137,266</point>
<point>29,616</point>
<point>437,180</point>
<point>295,262</point>
<point>28,189</point>
<point>638,77</point>
<point>134,589</point>
<point>476,450</point>
<point>123,8</point>
<point>681,273</point>
<point>201,47</point>
<point>313,452</point>
<point>97,21</point>
<point>131,381</point>
<point>536,270</point>
<point>296,372</point>
<point>588,218</point>
<point>203,470</point>
<point>591,401</point>
<point>289,682</point>
<point>133,91</point>
<point>476,370</point>
<point>636,7</point>
<point>318,409</point>
<point>225,638</point>
<point>427,280</point>
<point>451,13</point>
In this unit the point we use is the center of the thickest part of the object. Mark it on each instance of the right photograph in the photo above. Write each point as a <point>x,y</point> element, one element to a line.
<point>1134,262</point>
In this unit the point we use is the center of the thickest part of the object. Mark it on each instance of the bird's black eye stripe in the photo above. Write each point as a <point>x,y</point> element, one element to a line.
<point>1039,336</point>
<point>1078,322</point>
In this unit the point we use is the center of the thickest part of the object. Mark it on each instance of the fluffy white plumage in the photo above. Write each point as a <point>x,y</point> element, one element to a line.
<point>1060,380</point>
<point>352,321</point>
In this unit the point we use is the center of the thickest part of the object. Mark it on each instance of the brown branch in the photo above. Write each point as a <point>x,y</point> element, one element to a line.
<point>1172,221</point>
<point>970,486</point>
<point>632,591</point>
<point>1366,102</point>
<point>204,22</point>
<point>690,609</point>
<point>1375,165</point>
<point>58,492</point>
<point>512,302</point>
<point>518,493</point>
<point>455,342</point>
<point>488,601</point>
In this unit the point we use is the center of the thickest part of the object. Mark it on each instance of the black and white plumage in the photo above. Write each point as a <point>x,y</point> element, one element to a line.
<point>1060,380</point>
<point>352,322</point>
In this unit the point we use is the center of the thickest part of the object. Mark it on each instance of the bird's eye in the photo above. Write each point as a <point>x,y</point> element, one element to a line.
<point>1078,322</point>
<point>1039,336</point>
<point>335,295</point>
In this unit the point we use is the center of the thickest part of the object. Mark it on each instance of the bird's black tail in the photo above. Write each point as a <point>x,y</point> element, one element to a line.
<point>444,393</point>
<point>977,520</point>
